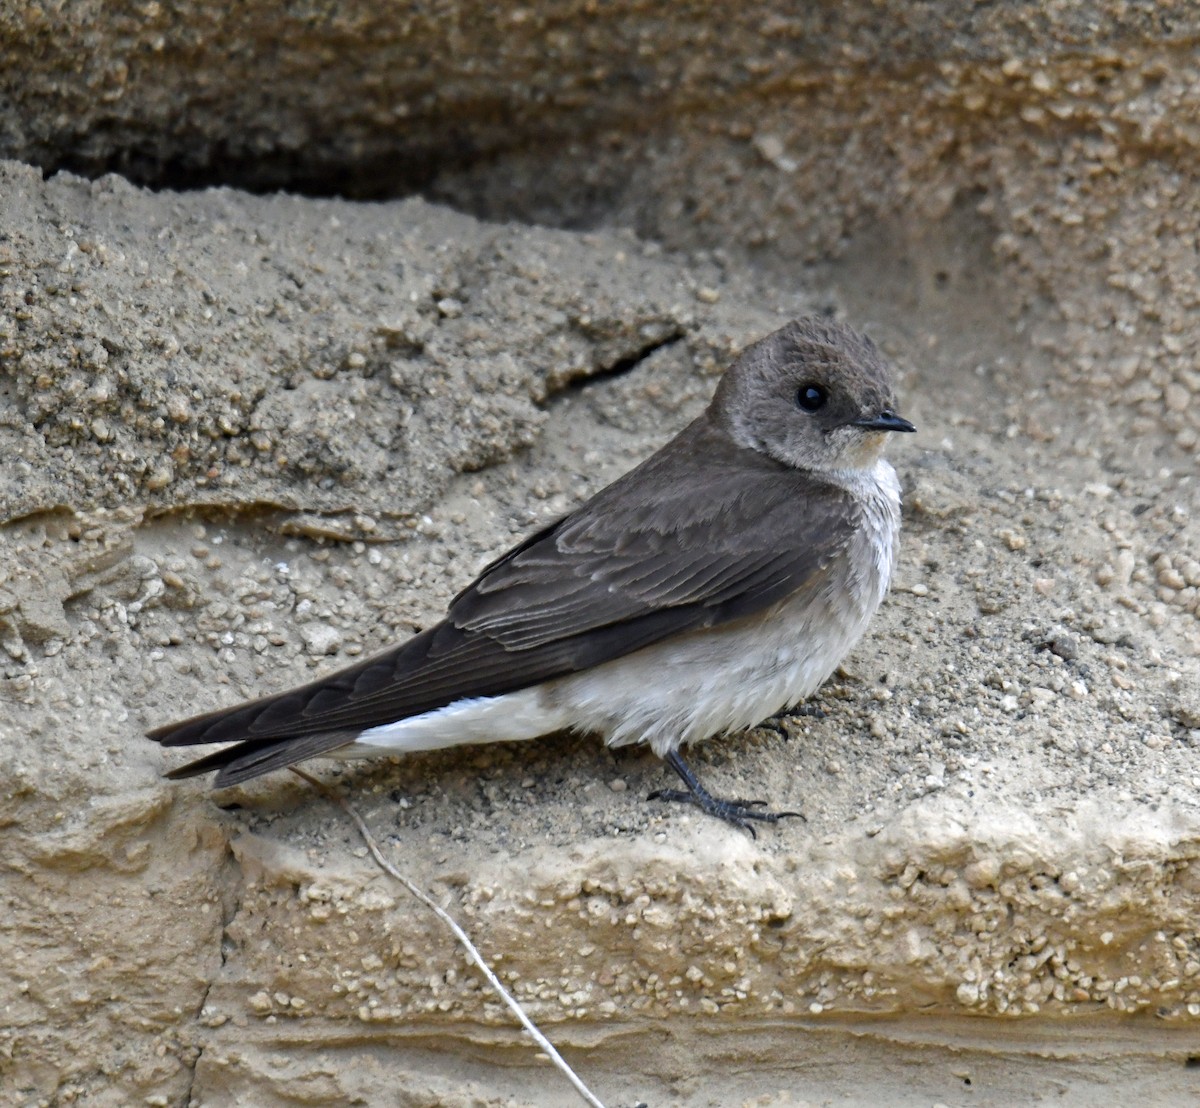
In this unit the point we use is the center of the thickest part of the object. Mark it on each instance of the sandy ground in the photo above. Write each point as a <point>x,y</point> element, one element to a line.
<point>248,439</point>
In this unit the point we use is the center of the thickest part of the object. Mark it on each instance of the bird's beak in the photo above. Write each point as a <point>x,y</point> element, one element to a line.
<point>887,420</point>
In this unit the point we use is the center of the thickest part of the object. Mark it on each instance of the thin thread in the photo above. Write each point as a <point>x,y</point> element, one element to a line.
<point>459,934</point>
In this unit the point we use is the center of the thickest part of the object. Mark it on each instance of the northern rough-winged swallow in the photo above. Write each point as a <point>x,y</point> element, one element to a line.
<point>717,583</point>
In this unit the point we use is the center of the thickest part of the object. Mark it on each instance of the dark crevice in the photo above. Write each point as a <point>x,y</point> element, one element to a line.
<point>458,171</point>
<point>393,172</point>
<point>393,176</point>
<point>583,379</point>
<point>230,875</point>
<point>319,525</point>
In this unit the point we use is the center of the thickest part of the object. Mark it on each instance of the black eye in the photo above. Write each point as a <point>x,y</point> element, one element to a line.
<point>811,398</point>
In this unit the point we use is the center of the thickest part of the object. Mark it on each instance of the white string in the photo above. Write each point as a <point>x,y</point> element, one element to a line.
<point>460,935</point>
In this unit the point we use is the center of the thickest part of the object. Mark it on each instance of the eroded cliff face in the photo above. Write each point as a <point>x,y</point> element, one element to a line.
<point>249,438</point>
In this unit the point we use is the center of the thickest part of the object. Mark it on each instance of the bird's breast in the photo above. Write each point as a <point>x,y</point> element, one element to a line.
<point>733,676</point>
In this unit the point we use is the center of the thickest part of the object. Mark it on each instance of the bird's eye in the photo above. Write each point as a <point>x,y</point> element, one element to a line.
<point>811,398</point>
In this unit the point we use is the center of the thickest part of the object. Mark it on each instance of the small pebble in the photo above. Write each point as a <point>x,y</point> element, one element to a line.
<point>1041,697</point>
<point>1062,642</point>
<point>967,993</point>
<point>320,639</point>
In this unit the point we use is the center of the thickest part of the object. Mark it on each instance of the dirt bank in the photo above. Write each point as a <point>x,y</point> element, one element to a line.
<point>249,438</point>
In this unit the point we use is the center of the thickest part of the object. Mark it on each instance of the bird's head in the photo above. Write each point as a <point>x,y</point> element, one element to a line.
<point>813,395</point>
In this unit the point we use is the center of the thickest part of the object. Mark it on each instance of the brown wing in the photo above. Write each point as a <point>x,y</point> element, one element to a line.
<point>702,533</point>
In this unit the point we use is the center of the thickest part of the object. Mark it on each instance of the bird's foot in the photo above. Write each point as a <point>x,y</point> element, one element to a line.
<point>735,811</point>
<point>776,722</point>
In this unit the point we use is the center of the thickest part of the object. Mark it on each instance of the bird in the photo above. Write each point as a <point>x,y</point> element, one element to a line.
<point>714,585</point>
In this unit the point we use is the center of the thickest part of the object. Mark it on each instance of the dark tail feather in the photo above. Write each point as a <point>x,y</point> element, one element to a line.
<point>220,726</point>
<point>279,715</point>
<point>255,757</point>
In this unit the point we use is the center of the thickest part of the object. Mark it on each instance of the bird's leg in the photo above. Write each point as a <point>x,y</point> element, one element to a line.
<point>737,812</point>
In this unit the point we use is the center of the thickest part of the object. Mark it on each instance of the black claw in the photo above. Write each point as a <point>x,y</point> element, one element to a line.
<point>737,812</point>
<point>669,794</point>
<point>776,722</point>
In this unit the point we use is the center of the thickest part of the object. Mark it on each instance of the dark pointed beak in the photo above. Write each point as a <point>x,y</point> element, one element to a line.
<point>887,420</point>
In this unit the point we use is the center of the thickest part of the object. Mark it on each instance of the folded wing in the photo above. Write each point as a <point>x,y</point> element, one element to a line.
<point>659,553</point>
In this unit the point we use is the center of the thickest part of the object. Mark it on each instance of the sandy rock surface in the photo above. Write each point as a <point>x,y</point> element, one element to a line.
<point>250,438</point>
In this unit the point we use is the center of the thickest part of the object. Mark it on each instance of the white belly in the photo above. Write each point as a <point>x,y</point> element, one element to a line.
<point>697,685</point>
<point>488,719</point>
